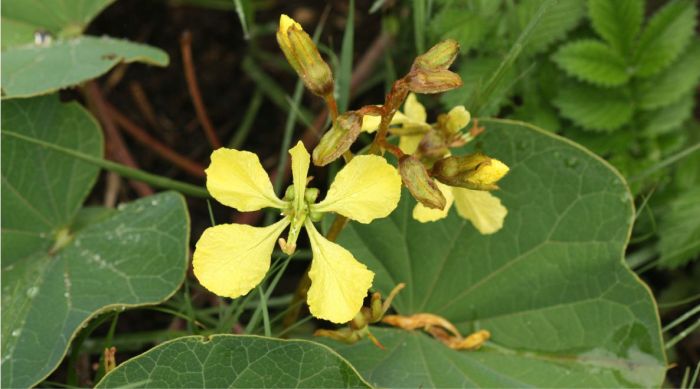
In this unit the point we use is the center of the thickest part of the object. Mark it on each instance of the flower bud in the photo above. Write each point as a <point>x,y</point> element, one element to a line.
<point>439,57</point>
<point>422,187</point>
<point>338,139</point>
<point>432,146</point>
<point>475,171</point>
<point>302,54</point>
<point>432,81</point>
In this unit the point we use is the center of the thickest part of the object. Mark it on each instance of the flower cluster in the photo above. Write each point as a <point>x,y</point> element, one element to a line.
<point>430,143</point>
<point>231,259</point>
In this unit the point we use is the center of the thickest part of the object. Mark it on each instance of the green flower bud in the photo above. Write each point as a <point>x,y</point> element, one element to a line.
<point>422,187</point>
<point>338,139</point>
<point>301,52</point>
<point>439,57</point>
<point>475,171</point>
<point>432,81</point>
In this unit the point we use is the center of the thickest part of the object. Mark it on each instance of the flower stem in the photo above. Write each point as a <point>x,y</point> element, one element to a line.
<point>125,171</point>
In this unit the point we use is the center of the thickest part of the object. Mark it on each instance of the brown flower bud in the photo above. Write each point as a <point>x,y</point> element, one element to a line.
<point>422,187</point>
<point>338,139</point>
<point>439,57</point>
<point>474,171</point>
<point>432,146</point>
<point>432,81</point>
<point>301,52</point>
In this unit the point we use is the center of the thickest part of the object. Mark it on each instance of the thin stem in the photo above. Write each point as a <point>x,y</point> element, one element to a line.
<point>159,148</point>
<point>667,162</point>
<point>136,174</point>
<point>682,318</point>
<point>681,335</point>
<point>265,313</point>
<point>193,87</point>
<point>332,106</point>
<point>116,146</point>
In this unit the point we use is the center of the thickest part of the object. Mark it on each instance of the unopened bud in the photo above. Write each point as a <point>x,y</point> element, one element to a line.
<point>475,171</point>
<point>438,57</point>
<point>422,187</point>
<point>432,81</point>
<point>432,146</point>
<point>301,52</point>
<point>338,139</point>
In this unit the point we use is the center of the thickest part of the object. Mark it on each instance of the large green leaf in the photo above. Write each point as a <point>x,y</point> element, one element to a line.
<point>594,108</point>
<point>668,32</point>
<point>617,21</point>
<point>593,61</point>
<point>59,270</point>
<point>31,70</point>
<point>21,19</point>
<point>227,361</point>
<point>552,287</point>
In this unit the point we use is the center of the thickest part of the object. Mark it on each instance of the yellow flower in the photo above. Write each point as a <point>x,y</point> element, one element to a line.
<point>231,259</point>
<point>481,208</point>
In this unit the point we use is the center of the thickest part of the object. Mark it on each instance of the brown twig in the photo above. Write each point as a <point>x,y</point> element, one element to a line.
<point>159,148</point>
<point>144,104</point>
<point>116,147</point>
<point>193,87</point>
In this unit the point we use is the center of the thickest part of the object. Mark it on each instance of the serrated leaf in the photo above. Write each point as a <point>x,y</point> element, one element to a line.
<point>59,270</point>
<point>666,35</point>
<point>592,61</point>
<point>679,230</point>
<point>235,361</point>
<point>594,108</point>
<point>666,119</point>
<point>669,86</point>
<point>32,70</point>
<point>560,18</point>
<point>21,19</point>
<point>552,287</point>
<point>617,21</point>
<point>467,28</point>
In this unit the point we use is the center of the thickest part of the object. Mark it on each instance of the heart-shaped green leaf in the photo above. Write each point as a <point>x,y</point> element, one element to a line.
<point>58,269</point>
<point>227,361</point>
<point>21,19</point>
<point>551,286</point>
<point>32,70</point>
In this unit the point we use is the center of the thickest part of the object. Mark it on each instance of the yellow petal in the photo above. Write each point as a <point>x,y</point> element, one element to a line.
<point>370,123</point>
<point>339,283</point>
<point>414,109</point>
<point>367,188</point>
<point>286,22</point>
<point>489,173</point>
<point>300,169</point>
<point>231,259</point>
<point>409,143</point>
<point>236,178</point>
<point>457,118</point>
<point>483,209</point>
<point>424,214</point>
